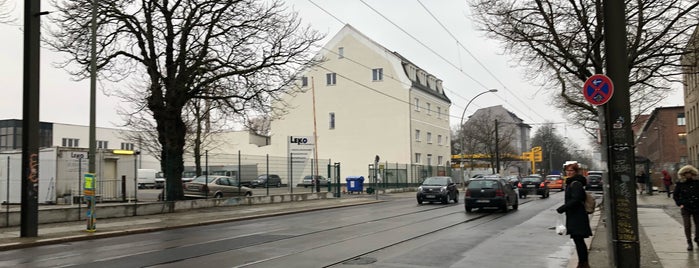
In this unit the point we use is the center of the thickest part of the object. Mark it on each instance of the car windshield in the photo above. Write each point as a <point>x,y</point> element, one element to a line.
<point>594,177</point>
<point>553,178</point>
<point>483,184</point>
<point>491,177</point>
<point>531,179</point>
<point>435,181</point>
<point>262,177</point>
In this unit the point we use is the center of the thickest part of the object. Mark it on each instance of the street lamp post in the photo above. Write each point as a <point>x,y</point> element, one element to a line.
<point>461,126</point>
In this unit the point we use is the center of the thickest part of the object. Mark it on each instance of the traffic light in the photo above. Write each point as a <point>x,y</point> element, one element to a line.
<point>537,156</point>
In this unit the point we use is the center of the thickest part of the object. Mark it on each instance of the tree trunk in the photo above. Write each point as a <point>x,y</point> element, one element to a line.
<point>171,134</point>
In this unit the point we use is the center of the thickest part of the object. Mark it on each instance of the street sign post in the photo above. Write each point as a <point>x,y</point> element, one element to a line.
<point>598,89</point>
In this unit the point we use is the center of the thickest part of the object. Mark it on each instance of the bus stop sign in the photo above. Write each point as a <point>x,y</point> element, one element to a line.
<point>598,89</point>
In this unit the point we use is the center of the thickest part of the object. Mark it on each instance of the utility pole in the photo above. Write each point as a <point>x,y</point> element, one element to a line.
<point>620,200</point>
<point>29,215</point>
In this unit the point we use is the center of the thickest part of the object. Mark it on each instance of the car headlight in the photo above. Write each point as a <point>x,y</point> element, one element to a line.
<point>443,189</point>
<point>419,189</point>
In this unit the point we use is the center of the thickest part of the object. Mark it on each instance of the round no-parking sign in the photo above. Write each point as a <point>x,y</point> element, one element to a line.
<point>598,89</point>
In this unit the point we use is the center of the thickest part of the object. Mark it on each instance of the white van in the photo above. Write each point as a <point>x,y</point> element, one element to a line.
<point>146,178</point>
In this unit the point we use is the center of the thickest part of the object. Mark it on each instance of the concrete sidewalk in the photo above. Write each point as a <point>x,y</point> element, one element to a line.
<point>662,242</point>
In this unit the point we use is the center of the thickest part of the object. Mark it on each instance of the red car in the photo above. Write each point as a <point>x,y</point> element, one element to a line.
<point>555,182</point>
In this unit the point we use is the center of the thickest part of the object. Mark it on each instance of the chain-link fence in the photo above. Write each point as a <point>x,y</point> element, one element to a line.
<point>117,176</point>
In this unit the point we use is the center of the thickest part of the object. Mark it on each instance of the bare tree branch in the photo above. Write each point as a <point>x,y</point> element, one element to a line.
<point>238,54</point>
<point>564,40</point>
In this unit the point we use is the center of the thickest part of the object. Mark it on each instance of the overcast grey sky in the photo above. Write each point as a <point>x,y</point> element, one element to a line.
<point>426,44</point>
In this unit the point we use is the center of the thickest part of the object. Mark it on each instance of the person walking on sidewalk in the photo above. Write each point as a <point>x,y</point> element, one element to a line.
<point>686,196</point>
<point>667,181</point>
<point>577,220</point>
<point>641,181</point>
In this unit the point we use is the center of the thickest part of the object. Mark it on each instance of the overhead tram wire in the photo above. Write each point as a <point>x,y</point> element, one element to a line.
<point>438,55</point>
<point>431,50</point>
<point>452,91</point>
<point>476,59</point>
<point>371,88</point>
<point>395,79</point>
<point>369,68</point>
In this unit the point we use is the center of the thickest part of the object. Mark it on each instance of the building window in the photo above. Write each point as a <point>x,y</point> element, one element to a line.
<point>439,139</point>
<point>440,160</point>
<point>429,159</point>
<point>377,74</point>
<point>439,112</point>
<point>102,144</point>
<point>340,52</point>
<point>417,104</point>
<point>331,79</point>
<point>682,138</point>
<point>332,120</point>
<point>417,158</point>
<point>429,137</point>
<point>680,119</point>
<point>429,107</point>
<point>70,142</point>
<point>417,135</point>
<point>683,160</point>
<point>304,81</point>
<point>127,146</point>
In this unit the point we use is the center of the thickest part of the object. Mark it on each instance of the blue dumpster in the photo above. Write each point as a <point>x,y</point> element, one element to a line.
<point>355,184</point>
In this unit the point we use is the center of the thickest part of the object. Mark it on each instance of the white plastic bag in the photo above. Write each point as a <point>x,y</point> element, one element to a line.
<point>560,225</point>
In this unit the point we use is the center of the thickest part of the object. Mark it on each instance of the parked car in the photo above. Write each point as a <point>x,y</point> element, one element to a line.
<point>216,187</point>
<point>555,182</point>
<point>440,188</point>
<point>594,182</point>
<point>308,181</point>
<point>491,191</point>
<point>265,180</point>
<point>533,184</point>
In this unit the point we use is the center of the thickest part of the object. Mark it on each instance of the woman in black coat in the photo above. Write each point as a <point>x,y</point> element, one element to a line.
<point>577,220</point>
<point>686,196</point>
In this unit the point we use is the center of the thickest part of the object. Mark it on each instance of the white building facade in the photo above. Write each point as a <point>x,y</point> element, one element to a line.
<point>364,101</point>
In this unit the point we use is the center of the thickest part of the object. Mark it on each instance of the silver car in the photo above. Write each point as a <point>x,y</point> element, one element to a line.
<point>216,187</point>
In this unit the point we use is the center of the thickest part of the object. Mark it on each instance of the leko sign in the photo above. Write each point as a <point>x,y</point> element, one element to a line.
<point>598,89</point>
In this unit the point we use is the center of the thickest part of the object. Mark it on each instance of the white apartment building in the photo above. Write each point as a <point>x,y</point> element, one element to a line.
<point>364,101</point>
<point>690,62</point>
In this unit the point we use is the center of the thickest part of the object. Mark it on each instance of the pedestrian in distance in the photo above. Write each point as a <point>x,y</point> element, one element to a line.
<point>641,181</point>
<point>667,181</point>
<point>686,196</point>
<point>577,220</point>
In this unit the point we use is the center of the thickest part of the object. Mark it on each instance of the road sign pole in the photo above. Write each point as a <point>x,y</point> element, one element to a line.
<point>620,200</point>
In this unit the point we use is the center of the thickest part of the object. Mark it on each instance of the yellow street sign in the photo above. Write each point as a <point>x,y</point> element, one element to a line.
<point>536,149</point>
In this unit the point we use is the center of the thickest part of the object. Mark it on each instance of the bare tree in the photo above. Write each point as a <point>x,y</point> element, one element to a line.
<point>480,138</point>
<point>561,44</point>
<point>554,149</point>
<point>259,125</point>
<point>6,12</point>
<point>239,55</point>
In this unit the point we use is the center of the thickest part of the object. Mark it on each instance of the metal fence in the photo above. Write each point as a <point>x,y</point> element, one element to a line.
<point>60,176</point>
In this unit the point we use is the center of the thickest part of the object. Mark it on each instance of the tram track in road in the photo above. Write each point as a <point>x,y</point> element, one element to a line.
<point>425,224</point>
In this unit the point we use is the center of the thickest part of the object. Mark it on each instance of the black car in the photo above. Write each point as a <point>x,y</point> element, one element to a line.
<point>594,182</point>
<point>440,189</point>
<point>533,185</point>
<point>490,192</point>
<point>265,180</point>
